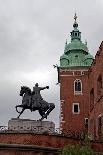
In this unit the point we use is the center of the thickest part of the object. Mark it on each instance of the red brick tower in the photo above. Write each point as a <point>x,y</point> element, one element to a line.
<point>73,79</point>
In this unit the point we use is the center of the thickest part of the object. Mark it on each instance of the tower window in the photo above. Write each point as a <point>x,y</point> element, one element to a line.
<point>99,125</point>
<point>77,87</point>
<point>75,108</point>
<point>76,56</point>
<point>99,85</point>
<point>86,122</point>
<point>75,34</point>
<point>91,99</point>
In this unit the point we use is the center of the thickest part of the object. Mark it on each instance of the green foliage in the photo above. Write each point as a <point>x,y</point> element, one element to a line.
<point>77,150</point>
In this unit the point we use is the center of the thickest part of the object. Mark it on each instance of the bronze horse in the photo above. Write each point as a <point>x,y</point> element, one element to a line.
<point>44,107</point>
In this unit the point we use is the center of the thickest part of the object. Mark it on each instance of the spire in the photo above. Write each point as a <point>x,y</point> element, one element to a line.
<point>76,52</point>
<point>75,25</point>
<point>75,17</point>
<point>75,34</point>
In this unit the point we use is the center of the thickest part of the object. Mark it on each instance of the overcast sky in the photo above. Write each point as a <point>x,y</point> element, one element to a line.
<point>32,39</point>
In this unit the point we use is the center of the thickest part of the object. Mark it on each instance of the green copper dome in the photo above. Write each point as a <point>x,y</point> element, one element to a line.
<point>64,60</point>
<point>76,45</point>
<point>75,52</point>
<point>89,56</point>
<point>88,59</point>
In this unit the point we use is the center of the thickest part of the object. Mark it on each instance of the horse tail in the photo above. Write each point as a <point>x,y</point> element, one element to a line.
<point>17,108</point>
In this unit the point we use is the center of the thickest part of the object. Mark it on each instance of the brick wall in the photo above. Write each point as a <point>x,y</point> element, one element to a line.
<point>36,139</point>
<point>95,72</point>
<point>29,143</point>
<point>69,120</point>
<point>90,101</point>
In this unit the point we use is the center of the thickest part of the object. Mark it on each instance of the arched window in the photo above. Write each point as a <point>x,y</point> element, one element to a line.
<point>77,86</point>
<point>99,126</point>
<point>99,85</point>
<point>91,99</point>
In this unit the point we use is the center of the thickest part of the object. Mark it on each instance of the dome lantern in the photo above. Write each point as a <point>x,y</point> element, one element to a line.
<point>75,34</point>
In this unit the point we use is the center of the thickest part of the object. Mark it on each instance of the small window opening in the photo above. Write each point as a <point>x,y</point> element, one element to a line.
<point>91,99</point>
<point>86,122</point>
<point>99,126</point>
<point>76,56</point>
<point>76,109</point>
<point>99,85</point>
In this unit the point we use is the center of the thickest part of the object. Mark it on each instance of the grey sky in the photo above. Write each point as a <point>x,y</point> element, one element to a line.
<point>32,38</point>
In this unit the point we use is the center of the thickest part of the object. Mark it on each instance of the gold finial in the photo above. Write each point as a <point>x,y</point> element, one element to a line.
<point>75,17</point>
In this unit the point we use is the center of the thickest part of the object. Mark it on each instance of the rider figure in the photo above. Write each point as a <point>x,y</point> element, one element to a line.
<point>36,96</point>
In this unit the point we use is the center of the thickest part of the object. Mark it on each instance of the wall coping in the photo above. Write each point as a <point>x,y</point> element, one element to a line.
<point>22,147</point>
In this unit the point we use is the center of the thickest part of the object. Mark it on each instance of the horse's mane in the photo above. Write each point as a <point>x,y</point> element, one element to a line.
<point>27,88</point>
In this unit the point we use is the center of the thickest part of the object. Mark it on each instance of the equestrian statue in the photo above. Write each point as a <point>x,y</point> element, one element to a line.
<point>33,100</point>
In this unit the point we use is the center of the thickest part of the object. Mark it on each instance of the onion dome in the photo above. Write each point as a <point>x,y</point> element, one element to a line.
<point>75,52</point>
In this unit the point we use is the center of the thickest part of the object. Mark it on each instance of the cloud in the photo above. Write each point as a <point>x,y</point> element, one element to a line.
<point>32,39</point>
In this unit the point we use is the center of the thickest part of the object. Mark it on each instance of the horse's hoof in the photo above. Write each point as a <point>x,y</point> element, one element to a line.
<point>40,119</point>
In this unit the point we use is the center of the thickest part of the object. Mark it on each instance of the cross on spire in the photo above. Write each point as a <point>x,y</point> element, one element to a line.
<point>75,17</point>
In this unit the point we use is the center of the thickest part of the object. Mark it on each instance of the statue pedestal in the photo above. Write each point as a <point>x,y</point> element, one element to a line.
<point>28,125</point>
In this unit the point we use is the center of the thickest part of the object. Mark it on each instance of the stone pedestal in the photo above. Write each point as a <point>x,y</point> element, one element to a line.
<point>31,126</point>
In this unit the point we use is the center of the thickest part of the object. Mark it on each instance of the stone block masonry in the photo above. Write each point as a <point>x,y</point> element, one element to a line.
<point>31,125</point>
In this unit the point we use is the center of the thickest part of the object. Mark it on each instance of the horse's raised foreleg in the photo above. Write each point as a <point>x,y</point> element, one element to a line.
<point>17,108</point>
<point>21,112</point>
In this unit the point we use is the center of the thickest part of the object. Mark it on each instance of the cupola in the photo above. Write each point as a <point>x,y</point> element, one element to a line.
<point>76,51</point>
